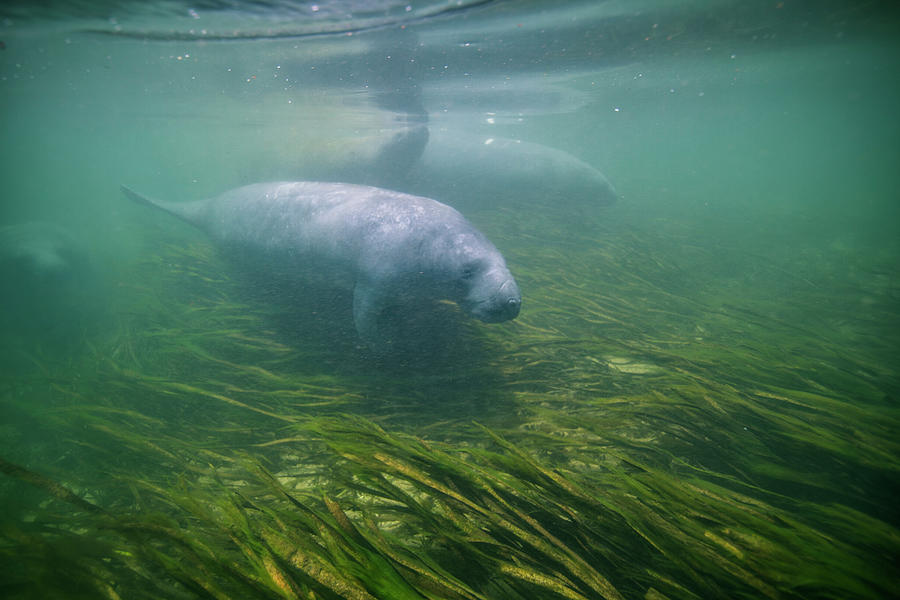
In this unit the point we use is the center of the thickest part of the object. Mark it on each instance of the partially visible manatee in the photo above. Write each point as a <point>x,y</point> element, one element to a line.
<point>469,171</point>
<point>49,279</point>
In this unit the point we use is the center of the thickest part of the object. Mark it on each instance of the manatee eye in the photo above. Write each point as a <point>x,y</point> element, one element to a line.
<point>468,271</point>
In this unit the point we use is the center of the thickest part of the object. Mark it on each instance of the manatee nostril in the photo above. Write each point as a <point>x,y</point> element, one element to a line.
<point>512,307</point>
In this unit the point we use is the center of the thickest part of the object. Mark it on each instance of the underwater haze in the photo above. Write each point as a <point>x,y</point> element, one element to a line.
<point>698,399</point>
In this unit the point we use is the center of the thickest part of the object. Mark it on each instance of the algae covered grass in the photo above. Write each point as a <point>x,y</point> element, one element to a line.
<point>648,428</point>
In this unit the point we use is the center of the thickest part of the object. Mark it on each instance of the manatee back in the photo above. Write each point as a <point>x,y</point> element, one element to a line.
<point>307,217</point>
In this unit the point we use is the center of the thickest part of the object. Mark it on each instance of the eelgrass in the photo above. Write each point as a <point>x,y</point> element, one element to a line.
<point>630,436</point>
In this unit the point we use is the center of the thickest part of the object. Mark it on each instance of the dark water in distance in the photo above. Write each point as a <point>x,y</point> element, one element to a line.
<point>752,248</point>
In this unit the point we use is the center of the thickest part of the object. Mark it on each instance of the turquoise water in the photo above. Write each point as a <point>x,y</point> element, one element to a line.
<point>697,400</point>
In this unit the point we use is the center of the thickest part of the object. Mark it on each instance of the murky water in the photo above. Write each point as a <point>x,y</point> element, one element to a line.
<point>697,199</point>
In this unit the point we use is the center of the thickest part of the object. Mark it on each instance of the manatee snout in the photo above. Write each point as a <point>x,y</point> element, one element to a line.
<point>510,300</point>
<point>496,303</point>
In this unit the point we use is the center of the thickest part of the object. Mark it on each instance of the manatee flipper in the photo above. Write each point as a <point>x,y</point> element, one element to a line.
<point>397,156</point>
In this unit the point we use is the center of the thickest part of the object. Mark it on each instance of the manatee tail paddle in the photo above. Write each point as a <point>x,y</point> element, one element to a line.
<point>180,210</point>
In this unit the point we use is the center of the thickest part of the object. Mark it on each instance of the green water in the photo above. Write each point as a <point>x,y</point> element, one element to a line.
<point>698,399</point>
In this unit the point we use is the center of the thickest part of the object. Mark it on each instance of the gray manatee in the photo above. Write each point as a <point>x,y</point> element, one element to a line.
<point>48,279</point>
<point>460,168</point>
<point>388,247</point>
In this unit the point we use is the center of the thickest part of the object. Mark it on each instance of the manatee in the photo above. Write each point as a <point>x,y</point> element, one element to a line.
<point>49,280</point>
<point>388,248</point>
<point>462,168</point>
